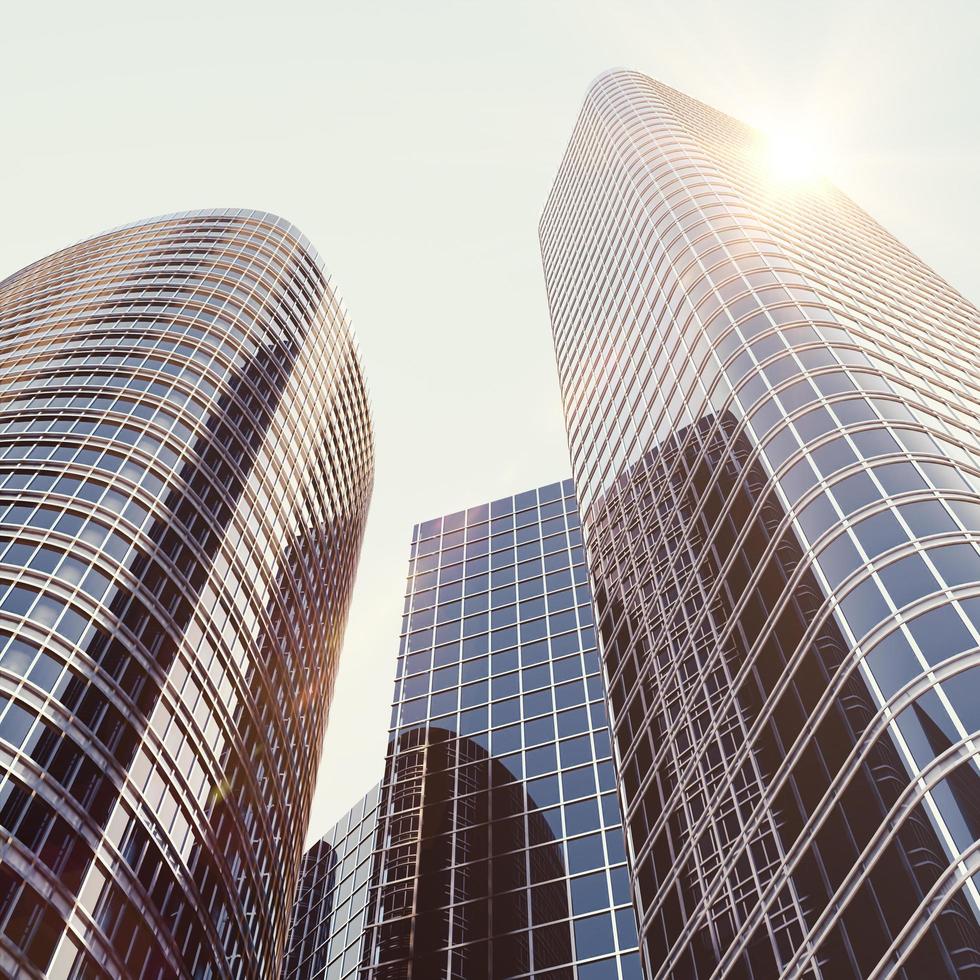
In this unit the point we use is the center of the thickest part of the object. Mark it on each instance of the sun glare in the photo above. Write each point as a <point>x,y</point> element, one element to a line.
<point>794,156</point>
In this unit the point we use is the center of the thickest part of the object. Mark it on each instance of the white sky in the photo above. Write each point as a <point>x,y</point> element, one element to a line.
<point>415,143</point>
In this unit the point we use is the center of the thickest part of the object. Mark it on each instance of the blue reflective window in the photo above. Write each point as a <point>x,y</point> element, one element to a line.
<point>524,536</point>
<point>475,720</point>
<point>475,624</point>
<point>475,669</point>
<point>607,775</point>
<point>534,653</point>
<point>504,638</point>
<point>448,611</point>
<point>503,597</point>
<point>532,608</point>
<point>413,711</point>
<point>15,724</point>
<point>500,663</point>
<point>444,703</point>
<point>505,712</point>
<point>422,618</point>
<point>610,809</point>
<point>416,685</point>
<point>475,646</point>
<point>838,559</point>
<point>534,630</point>
<point>620,885</point>
<point>589,893</point>
<point>927,728</point>
<point>956,798</point>
<point>534,677</point>
<point>626,927</point>
<point>833,456</point>
<point>563,645</point>
<point>616,846</point>
<point>578,782</point>
<point>506,739</point>
<point>854,491</point>
<point>880,532</point>
<point>505,686</point>
<point>908,579</point>
<point>963,691</point>
<point>537,703</point>
<point>445,633</point>
<point>45,672</point>
<point>473,694</point>
<point>563,621</point>
<point>501,561</point>
<point>585,853</point>
<point>530,550</point>
<point>575,751</point>
<point>573,722</point>
<point>442,679</point>
<point>958,563</point>
<point>567,668</point>
<point>893,663</point>
<point>568,695</point>
<point>543,792</point>
<point>927,517</point>
<point>864,607</point>
<point>940,633</point>
<point>582,817</point>
<point>540,760</point>
<point>540,730</point>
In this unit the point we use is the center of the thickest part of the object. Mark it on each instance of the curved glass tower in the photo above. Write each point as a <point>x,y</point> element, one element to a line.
<point>772,416</point>
<point>185,467</point>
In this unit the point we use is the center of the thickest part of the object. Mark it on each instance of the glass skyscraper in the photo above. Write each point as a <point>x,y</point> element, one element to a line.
<point>772,416</point>
<point>497,838</point>
<point>185,466</point>
<point>326,938</point>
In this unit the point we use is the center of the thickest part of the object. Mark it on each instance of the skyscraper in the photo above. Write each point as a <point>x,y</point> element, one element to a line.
<point>772,416</point>
<point>185,466</point>
<point>497,838</point>
<point>326,939</point>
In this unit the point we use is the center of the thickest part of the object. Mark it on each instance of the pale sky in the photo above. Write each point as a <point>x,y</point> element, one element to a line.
<point>415,143</point>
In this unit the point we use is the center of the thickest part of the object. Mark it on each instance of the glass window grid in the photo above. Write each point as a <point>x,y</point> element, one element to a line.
<point>99,518</point>
<point>609,267</point>
<point>553,682</point>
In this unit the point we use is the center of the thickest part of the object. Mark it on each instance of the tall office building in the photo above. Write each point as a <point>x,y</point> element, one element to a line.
<point>185,467</point>
<point>772,416</point>
<point>326,939</point>
<point>497,846</point>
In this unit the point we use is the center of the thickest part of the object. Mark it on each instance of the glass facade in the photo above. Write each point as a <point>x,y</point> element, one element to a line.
<point>326,936</point>
<point>185,466</point>
<point>498,849</point>
<point>772,417</point>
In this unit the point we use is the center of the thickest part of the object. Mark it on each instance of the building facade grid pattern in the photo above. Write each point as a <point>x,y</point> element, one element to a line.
<point>771,408</point>
<point>185,464</point>
<point>499,846</point>
<point>327,934</point>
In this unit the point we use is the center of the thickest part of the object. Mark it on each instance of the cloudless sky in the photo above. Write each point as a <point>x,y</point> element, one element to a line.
<point>415,144</point>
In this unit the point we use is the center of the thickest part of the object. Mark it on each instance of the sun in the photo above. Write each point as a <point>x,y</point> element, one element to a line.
<point>794,156</point>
